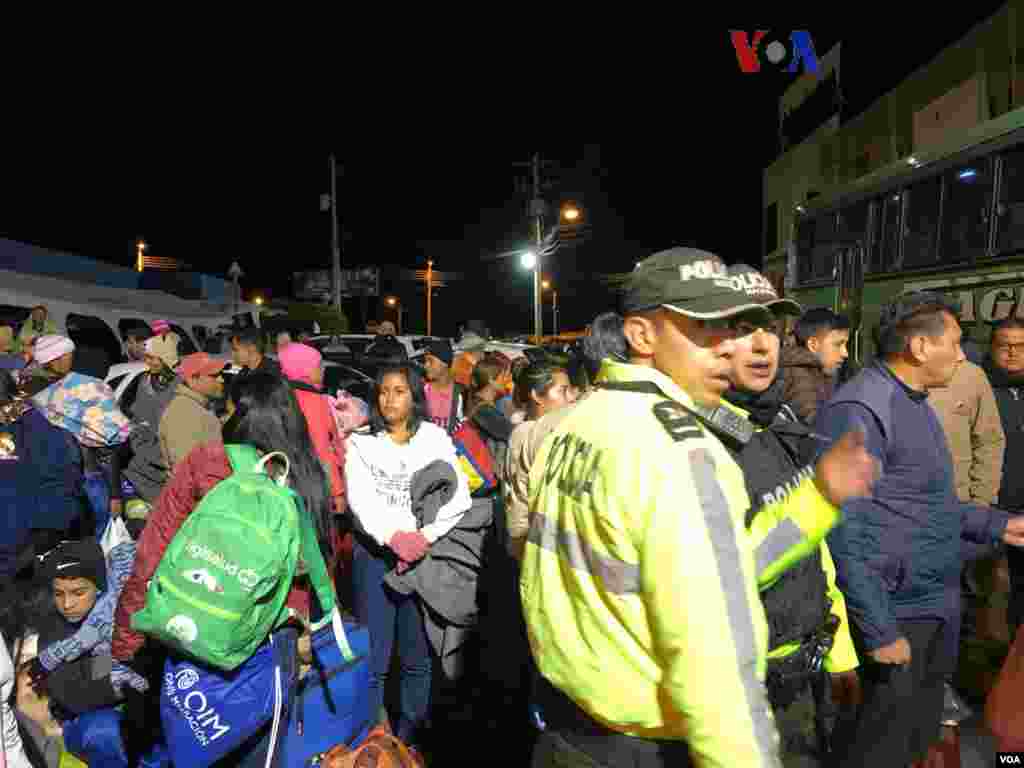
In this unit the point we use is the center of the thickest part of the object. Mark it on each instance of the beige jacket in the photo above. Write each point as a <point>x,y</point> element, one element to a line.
<point>970,418</point>
<point>523,447</point>
<point>186,423</point>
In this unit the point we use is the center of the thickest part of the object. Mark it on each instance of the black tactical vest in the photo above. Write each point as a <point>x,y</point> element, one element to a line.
<point>798,603</point>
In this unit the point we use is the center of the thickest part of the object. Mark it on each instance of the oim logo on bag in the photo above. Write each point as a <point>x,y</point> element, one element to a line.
<point>200,716</point>
<point>186,678</point>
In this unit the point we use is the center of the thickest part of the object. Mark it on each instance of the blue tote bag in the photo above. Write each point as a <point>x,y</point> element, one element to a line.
<point>208,713</point>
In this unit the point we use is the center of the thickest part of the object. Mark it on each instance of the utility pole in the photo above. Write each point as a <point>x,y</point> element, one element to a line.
<point>234,273</point>
<point>430,291</point>
<point>335,241</point>
<point>554,310</point>
<point>537,211</point>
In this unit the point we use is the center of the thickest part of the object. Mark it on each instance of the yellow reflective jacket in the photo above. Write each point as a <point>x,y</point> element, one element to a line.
<point>639,581</point>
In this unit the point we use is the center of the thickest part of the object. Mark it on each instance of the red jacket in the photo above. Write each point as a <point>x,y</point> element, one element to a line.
<point>202,469</point>
<point>323,431</point>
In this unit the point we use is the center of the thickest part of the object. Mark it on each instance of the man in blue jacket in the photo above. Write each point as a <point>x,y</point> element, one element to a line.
<point>898,552</point>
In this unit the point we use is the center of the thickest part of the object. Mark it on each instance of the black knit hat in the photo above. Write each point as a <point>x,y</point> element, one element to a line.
<point>77,560</point>
<point>442,350</point>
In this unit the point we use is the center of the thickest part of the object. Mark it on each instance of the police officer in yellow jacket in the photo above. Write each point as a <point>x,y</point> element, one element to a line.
<point>811,650</point>
<point>639,582</point>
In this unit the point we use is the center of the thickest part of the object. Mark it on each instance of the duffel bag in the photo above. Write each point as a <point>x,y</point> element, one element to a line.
<point>333,703</point>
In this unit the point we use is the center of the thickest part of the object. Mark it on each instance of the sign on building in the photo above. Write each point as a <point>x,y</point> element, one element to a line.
<point>316,285</point>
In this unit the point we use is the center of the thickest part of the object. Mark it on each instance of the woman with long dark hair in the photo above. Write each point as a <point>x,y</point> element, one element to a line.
<point>380,463</point>
<point>264,414</point>
<point>541,388</point>
<point>487,385</point>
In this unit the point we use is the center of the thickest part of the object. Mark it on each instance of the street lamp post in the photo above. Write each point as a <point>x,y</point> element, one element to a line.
<point>554,305</point>
<point>139,260</point>
<point>531,261</point>
<point>395,304</point>
<point>234,273</point>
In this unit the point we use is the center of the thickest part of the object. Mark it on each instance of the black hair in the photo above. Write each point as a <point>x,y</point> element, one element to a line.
<point>486,372</point>
<point>139,332</point>
<point>8,386</point>
<point>420,412</point>
<point>816,321</point>
<point>538,377</point>
<point>911,314</point>
<point>1012,323</point>
<point>268,417</point>
<point>251,337</point>
<point>606,340</point>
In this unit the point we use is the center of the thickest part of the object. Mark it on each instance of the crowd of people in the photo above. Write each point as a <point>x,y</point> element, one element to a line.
<point>703,541</point>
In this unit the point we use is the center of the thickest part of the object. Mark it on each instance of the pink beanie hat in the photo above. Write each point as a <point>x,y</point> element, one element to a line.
<point>160,327</point>
<point>298,361</point>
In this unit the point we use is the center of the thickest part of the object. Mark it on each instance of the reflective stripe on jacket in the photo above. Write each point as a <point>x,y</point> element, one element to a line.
<point>639,581</point>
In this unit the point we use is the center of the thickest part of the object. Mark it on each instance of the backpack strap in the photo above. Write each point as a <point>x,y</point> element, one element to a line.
<point>720,420</point>
<point>458,393</point>
<point>243,458</point>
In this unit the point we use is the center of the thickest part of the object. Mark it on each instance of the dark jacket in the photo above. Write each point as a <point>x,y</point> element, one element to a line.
<point>147,470</point>
<point>1010,401</point>
<point>797,605</point>
<point>445,580</point>
<point>495,429</point>
<point>804,383</point>
<point>40,473</point>
<point>267,365</point>
<point>898,552</point>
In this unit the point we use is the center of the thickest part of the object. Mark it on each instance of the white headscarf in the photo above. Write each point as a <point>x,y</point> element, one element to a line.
<point>49,348</point>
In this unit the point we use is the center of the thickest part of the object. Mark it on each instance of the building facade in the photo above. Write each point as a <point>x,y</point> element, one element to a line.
<point>976,79</point>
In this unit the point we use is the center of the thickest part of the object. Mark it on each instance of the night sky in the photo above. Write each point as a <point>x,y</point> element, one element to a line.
<point>683,138</point>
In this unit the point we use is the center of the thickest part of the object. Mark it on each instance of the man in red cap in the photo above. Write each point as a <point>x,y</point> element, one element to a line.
<point>189,420</point>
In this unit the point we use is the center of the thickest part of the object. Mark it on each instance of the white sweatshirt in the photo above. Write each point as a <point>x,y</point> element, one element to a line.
<point>379,473</point>
<point>12,753</point>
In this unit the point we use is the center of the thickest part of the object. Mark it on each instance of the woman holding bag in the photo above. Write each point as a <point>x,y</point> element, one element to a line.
<point>263,414</point>
<point>379,466</point>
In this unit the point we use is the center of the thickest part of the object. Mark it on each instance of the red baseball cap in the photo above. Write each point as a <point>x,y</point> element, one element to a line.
<point>200,364</point>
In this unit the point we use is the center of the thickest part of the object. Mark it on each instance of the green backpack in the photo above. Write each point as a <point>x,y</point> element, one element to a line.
<point>221,586</point>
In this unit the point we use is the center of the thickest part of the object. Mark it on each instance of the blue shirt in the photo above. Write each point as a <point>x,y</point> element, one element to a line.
<point>898,552</point>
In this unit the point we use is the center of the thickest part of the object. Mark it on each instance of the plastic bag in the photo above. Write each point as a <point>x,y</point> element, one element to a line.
<point>115,533</point>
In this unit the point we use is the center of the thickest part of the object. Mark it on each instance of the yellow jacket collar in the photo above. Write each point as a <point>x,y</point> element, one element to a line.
<point>615,371</point>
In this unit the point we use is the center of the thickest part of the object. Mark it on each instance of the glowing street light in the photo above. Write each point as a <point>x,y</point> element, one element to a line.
<point>529,260</point>
<point>394,303</point>
<point>570,213</point>
<point>547,286</point>
<point>258,300</point>
<point>139,260</point>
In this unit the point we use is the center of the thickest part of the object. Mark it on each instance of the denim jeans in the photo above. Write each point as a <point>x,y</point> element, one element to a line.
<point>392,619</point>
